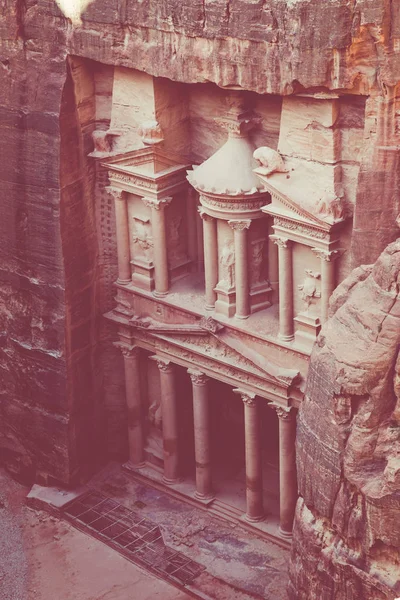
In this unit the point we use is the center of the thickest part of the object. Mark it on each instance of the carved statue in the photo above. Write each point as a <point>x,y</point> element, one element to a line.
<point>270,161</point>
<point>151,133</point>
<point>331,207</point>
<point>142,237</point>
<point>175,247</point>
<point>309,288</point>
<point>256,265</point>
<point>227,266</point>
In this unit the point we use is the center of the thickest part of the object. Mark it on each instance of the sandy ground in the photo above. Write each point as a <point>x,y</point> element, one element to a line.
<point>43,558</point>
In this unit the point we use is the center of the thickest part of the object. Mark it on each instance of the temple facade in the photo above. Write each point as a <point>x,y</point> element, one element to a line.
<point>225,270</point>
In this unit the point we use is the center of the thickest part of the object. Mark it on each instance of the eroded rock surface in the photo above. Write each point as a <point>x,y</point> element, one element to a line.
<point>347,528</point>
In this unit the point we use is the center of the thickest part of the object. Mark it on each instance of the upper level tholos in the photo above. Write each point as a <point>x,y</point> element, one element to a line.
<point>231,204</point>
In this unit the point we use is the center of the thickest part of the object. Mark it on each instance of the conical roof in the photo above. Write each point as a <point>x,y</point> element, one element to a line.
<point>230,171</point>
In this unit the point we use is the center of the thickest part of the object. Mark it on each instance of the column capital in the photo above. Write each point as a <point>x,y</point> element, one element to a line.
<point>248,398</point>
<point>198,377</point>
<point>239,225</point>
<point>127,351</point>
<point>116,193</point>
<point>280,241</point>
<point>204,215</point>
<point>157,203</point>
<point>163,364</point>
<point>326,255</point>
<point>285,413</point>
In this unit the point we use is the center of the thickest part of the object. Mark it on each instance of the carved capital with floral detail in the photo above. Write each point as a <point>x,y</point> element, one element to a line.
<point>197,377</point>
<point>116,193</point>
<point>248,398</point>
<point>163,364</point>
<point>285,413</point>
<point>326,255</point>
<point>280,241</point>
<point>128,351</point>
<point>156,203</point>
<point>204,215</point>
<point>239,225</point>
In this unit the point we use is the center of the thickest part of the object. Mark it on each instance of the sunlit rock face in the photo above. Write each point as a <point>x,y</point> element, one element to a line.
<point>347,528</point>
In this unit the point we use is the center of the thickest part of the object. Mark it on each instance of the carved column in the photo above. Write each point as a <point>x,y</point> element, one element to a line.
<point>169,420</point>
<point>210,257</point>
<point>122,231</point>
<point>254,484</point>
<point>286,325</point>
<point>241,268</point>
<point>201,418</point>
<point>131,356</point>
<point>327,278</point>
<point>287,468</point>
<point>161,279</point>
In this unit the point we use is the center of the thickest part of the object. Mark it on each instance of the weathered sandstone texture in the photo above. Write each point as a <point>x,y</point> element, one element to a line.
<point>347,528</point>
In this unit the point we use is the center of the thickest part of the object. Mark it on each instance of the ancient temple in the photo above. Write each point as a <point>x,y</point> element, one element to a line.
<point>225,271</point>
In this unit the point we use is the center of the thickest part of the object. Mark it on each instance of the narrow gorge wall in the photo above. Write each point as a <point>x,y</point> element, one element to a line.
<point>346,542</point>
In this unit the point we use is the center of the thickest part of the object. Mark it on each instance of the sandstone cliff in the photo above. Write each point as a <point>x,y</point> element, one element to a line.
<point>347,529</point>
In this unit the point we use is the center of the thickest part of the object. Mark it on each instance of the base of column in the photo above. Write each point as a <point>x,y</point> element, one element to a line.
<point>205,498</point>
<point>170,481</point>
<point>124,281</point>
<point>132,466</point>
<point>210,307</point>
<point>285,338</point>
<point>242,316</point>
<point>160,294</point>
<point>251,519</point>
<point>285,534</point>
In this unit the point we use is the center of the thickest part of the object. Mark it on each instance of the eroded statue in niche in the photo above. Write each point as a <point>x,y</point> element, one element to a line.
<point>256,265</point>
<point>142,237</point>
<point>227,266</point>
<point>270,161</point>
<point>155,437</point>
<point>175,247</point>
<point>309,289</point>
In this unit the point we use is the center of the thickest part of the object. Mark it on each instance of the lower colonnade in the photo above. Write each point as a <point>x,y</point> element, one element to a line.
<point>204,489</point>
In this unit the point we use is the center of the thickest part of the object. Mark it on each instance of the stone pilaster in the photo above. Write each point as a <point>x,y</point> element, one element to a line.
<point>201,418</point>
<point>254,484</point>
<point>285,260</point>
<point>210,257</point>
<point>287,468</point>
<point>169,419</point>
<point>240,229</point>
<point>161,278</point>
<point>122,231</point>
<point>131,356</point>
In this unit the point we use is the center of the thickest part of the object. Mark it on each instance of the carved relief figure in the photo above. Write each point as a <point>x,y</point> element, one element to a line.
<point>256,264</point>
<point>155,437</point>
<point>227,266</point>
<point>142,237</point>
<point>270,161</point>
<point>309,288</point>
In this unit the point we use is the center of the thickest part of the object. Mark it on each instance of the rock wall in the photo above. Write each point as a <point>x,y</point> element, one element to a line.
<point>51,268</point>
<point>347,529</point>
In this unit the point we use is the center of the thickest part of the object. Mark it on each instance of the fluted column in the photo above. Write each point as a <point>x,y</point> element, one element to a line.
<point>286,325</point>
<point>210,257</point>
<point>287,468</point>
<point>122,232</point>
<point>254,484</point>
<point>169,413</point>
<point>327,278</point>
<point>241,268</point>
<point>161,278</point>
<point>131,356</point>
<point>201,419</point>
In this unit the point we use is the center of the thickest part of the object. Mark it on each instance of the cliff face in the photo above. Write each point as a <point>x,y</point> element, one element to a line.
<point>347,529</point>
<point>49,258</point>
